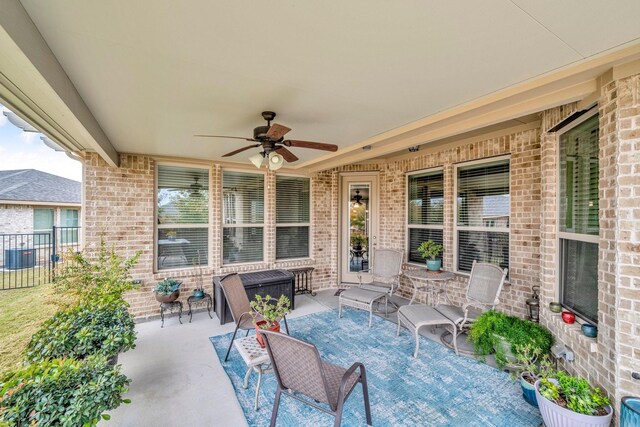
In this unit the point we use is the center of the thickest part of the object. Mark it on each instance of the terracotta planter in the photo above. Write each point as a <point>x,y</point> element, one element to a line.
<point>259,337</point>
<point>168,298</point>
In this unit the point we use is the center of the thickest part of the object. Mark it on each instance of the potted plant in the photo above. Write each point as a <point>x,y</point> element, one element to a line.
<point>168,290</point>
<point>506,336</point>
<point>198,291</point>
<point>430,249</point>
<point>358,241</point>
<point>531,367</point>
<point>267,315</point>
<point>571,401</point>
<point>171,235</point>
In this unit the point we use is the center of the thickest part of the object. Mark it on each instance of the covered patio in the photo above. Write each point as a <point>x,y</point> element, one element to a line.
<point>222,138</point>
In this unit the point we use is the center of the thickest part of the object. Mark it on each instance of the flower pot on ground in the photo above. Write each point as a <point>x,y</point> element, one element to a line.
<point>567,401</point>
<point>267,313</point>
<point>431,250</point>
<point>531,367</point>
<point>167,291</point>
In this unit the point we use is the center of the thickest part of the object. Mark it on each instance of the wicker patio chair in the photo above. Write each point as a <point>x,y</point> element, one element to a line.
<point>240,307</point>
<point>483,292</point>
<point>386,267</point>
<point>299,369</point>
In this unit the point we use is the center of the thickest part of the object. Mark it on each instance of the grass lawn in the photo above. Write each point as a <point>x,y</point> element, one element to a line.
<point>22,311</point>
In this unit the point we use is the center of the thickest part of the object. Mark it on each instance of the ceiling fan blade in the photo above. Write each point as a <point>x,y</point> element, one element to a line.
<point>310,144</point>
<point>229,137</point>
<point>277,131</point>
<point>240,150</point>
<point>288,155</point>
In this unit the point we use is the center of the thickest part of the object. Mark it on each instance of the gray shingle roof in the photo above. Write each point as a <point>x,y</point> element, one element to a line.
<point>35,186</point>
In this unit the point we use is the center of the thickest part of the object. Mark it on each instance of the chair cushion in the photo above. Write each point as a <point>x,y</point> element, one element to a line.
<point>361,295</point>
<point>456,314</point>
<point>334,374</point>
<point>421,315</point>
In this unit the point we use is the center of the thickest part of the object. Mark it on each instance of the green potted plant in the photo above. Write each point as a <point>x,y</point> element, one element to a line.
<point>506,336</point>
<point>431,250</point>
<point>267,315</point>
<point>565,400</point>
<point>168,290</point>
<point>532,366</point>
<point>358,241</point>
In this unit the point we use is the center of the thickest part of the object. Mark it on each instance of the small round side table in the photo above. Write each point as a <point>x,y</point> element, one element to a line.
<point>195,302</point>
<point>435,283</point>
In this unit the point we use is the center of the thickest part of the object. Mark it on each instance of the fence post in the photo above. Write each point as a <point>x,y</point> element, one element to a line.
<point>53,246</point>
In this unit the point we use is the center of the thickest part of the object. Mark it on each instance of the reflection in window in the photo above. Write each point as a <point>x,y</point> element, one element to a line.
<point>426,211</point>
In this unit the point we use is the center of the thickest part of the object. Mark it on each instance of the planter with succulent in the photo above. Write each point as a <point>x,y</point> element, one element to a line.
<point>431,250</point>
<point>198,291</point>
<point>507,336</point>
<point>168,290</point>
<point>565,400</point>
<point>267,315</point>
<point>531,367</point>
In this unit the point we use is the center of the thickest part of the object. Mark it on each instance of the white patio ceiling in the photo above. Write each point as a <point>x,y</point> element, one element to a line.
<point>154,73</point>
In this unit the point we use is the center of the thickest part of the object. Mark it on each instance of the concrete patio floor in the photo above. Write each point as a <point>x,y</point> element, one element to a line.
<point>177,379</point>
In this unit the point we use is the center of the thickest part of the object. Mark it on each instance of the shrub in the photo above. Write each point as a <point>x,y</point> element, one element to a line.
<point>574,393</point>
<point>79,281</point>
<point>83,331</point>
<point>61,392</point>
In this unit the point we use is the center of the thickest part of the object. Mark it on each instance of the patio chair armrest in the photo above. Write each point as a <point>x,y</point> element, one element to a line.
<point>246,313</point>
<point>467,305</point>
<point>345,378</point>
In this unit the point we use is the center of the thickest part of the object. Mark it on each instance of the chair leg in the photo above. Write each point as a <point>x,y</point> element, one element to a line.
<point>276,404</point>
<point>231,343</point>
<point>338,415</point>
<point>286,325</point>
<point>247,334</point>
<point>370,314</point>
<point>415,353</point>
<point>398,330</point>
<point>365,394</point>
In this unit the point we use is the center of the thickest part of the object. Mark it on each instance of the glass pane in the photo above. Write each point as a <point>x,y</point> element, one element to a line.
<point>182,247</point>
<point>243,198</point>
<point>358,227</point>
<point>482,246</point>
<point>42,223</point>
<point>483,195</point>
<point>579,277</point>
<point>419,235</point>
<point>579,179</point>
<point>292,199</point>
<point>242,244</point>
<point>183,195</point>
<point>292,242</point>
<point>69,218</point>
<point>426,198</point>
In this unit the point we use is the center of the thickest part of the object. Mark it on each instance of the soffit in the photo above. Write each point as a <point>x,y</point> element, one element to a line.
<point>154,73</point>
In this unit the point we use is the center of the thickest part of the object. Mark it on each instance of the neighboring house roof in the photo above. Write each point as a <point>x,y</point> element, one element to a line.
<point>30,185</point>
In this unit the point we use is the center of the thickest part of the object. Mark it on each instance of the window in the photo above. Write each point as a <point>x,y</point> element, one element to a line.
<point>425,211</point>
<point>243,217</point>
<point>42,223</point>
<point>69,224</point>
<point>482,214</point>
<point>578,222</point>
<point>292,217</point>
<point>183,217</point>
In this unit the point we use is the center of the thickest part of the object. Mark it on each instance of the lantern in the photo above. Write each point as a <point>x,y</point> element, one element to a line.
<point>533,304</point>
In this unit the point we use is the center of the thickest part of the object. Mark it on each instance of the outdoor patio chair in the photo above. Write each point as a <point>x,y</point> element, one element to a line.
<point>386,267</point>
<point>485,283</point>
<point>299,369</point>
<point>240,307</point>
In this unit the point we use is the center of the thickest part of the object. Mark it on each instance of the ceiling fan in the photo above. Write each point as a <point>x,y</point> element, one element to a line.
<point>274,146</point>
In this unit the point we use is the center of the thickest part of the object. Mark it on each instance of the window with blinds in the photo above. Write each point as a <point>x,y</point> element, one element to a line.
<point>69,224</point>
<point>578,218</point>
<point>292,217</point>
<point>482,217</point>
<point>425,211</point>
<point>183,217</point>
<point>42,226</point>
<point>243,217</point>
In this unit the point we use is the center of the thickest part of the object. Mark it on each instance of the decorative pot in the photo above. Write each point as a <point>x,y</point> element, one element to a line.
<point>198,293</point>
<point>557,416</point>
<point>528,390</point>
<point>259,337</point>
<point>630,411</point>
<point>590,330</point>
<point>434,264</point>
<point>555,307</point>
<point>568,317</point>
<point>168,298</point>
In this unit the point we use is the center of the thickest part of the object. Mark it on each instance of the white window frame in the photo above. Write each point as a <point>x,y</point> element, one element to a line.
<point>157,226</point>
<point>421,226</point>
<point>294,224</point>
<point>457,228</point>
<point>265,218</point>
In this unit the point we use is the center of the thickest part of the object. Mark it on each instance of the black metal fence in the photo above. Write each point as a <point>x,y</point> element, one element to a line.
<point>28,259</point>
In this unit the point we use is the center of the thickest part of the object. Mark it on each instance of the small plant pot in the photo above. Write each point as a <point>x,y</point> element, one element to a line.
<point>434,264</point>
<point>589,330</point>
<point>168,298</point>
<point>555,307</point>
<point>568,317</point>
<point>259,336</point>
<point>198,294</point>
<point>556,416</point>
<point>528,390</point>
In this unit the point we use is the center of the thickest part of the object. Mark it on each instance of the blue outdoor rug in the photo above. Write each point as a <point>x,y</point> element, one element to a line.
<point>436,389</point>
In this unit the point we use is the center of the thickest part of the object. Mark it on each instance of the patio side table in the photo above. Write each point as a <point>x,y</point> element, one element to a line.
<point>171,307</point>
<point>435,283</point>
<point>195,302</point>
<point>256,358</point>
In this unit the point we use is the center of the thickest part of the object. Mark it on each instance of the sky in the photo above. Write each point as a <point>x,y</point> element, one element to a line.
<point>25,150</point>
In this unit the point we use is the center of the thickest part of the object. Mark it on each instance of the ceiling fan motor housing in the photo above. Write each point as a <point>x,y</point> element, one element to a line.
<point>260,132</point>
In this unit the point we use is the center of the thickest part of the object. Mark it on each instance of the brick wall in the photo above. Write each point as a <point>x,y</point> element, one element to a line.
<point>16,219</point>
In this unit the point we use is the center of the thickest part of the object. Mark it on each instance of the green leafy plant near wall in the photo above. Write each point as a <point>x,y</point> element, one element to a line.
<point>61,393</point>
<point>574,393</point>
<point>486,333</point>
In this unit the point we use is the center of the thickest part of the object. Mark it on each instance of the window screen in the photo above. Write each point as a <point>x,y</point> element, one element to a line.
<point>425,211</point>
<point>292,217</point>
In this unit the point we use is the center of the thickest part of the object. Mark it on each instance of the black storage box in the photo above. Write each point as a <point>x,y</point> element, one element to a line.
<point>269,282</point>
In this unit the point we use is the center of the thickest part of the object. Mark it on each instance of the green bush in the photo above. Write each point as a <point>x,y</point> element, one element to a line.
<point>518,332</point>
<point>574,393</point>
<point>61,392</point>
<point>83,331</point>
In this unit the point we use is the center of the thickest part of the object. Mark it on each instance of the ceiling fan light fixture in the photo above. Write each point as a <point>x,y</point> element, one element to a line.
<point>275,161</point>
<point>257,159</point>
